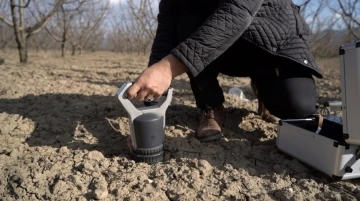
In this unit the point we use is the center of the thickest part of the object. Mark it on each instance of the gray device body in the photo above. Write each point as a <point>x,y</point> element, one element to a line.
<point>147,127</point>
<point>335,150</point>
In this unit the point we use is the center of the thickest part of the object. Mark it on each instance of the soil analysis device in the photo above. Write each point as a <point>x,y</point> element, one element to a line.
<point>147,126</point>
<point>330,145</point>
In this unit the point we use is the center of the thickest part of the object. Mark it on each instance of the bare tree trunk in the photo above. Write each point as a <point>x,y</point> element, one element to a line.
<point>73,50</point>
<point>23,33</point>
<point>23,53</point>
<point>64,35</point>
<point>144,49</point>
<point>62,49</point>
<point>19,34</point>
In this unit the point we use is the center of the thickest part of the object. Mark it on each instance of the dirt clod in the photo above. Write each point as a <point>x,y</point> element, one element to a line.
<point>99,188</point>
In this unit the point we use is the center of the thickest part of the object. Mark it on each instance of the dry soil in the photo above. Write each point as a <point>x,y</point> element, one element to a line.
<point>63,131</point>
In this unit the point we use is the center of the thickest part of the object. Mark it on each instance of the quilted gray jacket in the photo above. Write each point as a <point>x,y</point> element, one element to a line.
<point>274,25</point>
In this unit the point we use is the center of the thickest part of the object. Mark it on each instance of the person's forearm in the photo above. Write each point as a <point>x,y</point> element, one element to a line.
<point>175,66</point>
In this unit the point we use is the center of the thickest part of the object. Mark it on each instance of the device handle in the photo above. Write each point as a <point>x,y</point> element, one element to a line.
<point>134,112</point>
<point>126,103</point>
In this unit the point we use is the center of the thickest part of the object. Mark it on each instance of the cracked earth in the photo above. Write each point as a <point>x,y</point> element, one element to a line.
<point>63,131</point>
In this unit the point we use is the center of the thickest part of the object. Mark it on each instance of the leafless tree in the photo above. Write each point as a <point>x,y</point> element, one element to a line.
<point>134,28</point>
<point>121,37</point>
<point>61,24</point>
<point>349,10</point>
<point>322,28</point>
<point>6,33</point>
<point>88,27</point>
<point>41,15</point>
<point>96,38</point>
<point>144,16</point>
<point>79,23</point>
<point>42,41</point>
<point>6,37</point>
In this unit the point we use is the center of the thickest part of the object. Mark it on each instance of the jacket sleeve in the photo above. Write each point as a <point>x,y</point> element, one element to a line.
<point>165,37</point>
<point>221,29</point>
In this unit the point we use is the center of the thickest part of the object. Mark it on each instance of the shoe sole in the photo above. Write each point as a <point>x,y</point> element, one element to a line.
<point>211,138</point>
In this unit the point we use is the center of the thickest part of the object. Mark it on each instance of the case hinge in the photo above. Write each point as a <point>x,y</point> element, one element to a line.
<point>336,144</point>
<point>357,153</point>
<point>341,51</point>
<point>348,169</point>
<point>357,44</point>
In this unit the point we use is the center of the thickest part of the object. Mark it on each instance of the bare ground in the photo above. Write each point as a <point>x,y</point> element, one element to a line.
<point>62,137</point>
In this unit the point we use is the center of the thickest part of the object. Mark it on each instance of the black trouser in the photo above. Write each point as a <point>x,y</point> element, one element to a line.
<point>292,94</point>
<point>288,91</point>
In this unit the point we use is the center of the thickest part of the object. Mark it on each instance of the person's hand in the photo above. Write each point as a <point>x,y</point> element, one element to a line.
<point>156,79</point>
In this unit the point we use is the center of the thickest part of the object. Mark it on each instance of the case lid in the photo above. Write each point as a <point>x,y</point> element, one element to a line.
<point>350,91</point>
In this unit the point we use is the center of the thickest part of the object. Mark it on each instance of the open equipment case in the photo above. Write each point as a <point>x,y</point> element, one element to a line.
<point>328,145</point>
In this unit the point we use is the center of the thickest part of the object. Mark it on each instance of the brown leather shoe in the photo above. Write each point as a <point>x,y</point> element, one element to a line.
<point>210,124</point>
<point>262,111</point>
<point>265,114</point>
